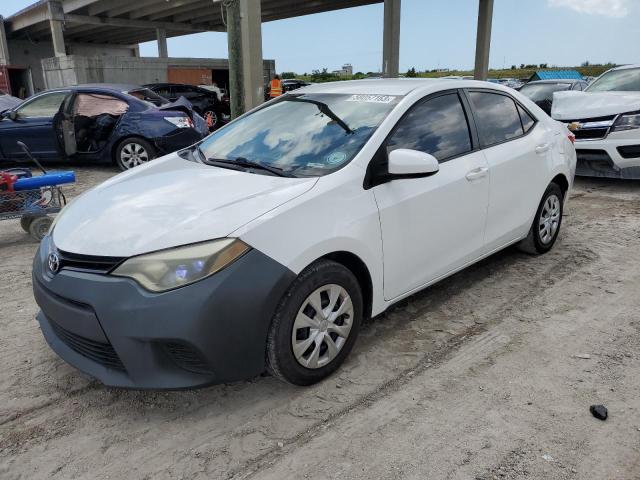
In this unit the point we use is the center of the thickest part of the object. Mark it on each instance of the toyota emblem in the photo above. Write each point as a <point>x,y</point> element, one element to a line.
<point>54,263</point>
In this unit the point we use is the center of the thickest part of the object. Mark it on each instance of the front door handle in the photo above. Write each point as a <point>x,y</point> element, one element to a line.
<point>477,173</point>
<point>540,149</point>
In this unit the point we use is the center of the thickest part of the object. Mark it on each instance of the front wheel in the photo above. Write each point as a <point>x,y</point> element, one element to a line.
<point>546,224</point>
<point>212,118</point>
<point>132,152</point>
<point>315,325</point>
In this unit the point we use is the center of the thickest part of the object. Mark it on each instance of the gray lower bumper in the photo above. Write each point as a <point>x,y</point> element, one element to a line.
<point>209,332</point>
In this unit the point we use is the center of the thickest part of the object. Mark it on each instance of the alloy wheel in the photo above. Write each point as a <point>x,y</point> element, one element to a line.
<point>133,154</point>
<point>211,118</point>
<point>322,326</point>
<point>549,219</point>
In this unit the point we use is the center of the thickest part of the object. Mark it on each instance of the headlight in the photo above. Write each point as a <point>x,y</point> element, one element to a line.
<point>628,121</point>
<point>180,122</point>
<point>168,269</point>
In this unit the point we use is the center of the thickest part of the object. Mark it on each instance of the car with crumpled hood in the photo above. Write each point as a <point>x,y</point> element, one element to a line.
<point>99,123</point>
<point>605,119</point>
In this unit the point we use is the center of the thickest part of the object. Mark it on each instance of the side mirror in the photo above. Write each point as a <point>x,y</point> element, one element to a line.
<point>12,115</point>
<point>405,163</point>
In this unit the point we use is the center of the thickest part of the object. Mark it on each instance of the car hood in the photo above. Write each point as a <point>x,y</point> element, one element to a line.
<point>579,105</point>
<point>167,203</point>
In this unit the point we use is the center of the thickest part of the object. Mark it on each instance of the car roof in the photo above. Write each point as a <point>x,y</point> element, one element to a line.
<point>556,81</point>
<point>396,86</point>
<point>626,67</point>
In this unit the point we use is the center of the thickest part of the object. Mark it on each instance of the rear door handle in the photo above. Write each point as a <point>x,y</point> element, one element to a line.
<point>540,149</point>
<point>477,173</point>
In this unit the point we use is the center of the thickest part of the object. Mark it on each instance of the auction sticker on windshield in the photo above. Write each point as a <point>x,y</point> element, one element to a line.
<point>372,98</point>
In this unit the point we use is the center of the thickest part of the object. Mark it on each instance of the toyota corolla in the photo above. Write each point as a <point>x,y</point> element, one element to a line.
<point>265,246</point>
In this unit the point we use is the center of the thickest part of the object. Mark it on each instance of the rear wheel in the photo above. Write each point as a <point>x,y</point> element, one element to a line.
<point>25,222</point>
<point>315,325</point>
<point>132,152</point>
<point>212,118</point>
<point>39,227</point>
<point>546,224</point>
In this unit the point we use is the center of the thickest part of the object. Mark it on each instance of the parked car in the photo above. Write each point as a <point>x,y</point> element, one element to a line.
<point>7,101</point>
<point>214,110</point>
<point>267,244</point>
<point>123,124</point>
<point>541,91</point>
<point>605,119</point>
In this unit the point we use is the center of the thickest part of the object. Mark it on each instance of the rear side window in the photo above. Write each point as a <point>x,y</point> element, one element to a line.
<point>437,126</point>
<point>527,120</point>
<point>497,117</point>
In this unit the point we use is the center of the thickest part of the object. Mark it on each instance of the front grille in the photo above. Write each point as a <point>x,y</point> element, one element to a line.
<point>88,263</point>
<point>593,133</point>
<point>590,133</point>
<point>102,353</point>
<point>188,358</point>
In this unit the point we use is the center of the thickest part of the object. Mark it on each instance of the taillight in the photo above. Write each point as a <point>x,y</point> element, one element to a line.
<point>572,138</point>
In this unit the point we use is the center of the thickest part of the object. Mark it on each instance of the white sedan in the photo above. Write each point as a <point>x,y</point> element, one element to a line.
<point>267,244</point>
<point>605,119</point>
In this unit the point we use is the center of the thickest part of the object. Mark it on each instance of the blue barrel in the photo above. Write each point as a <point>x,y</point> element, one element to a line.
<point>48,180</point>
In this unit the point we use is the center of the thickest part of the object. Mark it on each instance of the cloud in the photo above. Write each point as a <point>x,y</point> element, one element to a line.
<point>607,8</point>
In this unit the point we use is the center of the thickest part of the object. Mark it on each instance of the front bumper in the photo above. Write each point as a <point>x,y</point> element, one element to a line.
<point>209,332</point>
<point>617,155</point>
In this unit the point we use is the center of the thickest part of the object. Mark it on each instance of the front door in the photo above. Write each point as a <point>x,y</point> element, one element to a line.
<point>434,225</point>
<point>34,126</point>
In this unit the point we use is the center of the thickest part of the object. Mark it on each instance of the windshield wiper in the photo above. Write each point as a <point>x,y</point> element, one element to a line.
<point>243,163</point>
<point>324,108</point>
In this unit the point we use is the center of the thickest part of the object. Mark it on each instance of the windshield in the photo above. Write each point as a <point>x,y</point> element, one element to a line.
<point>543,91</point>
<point>302,135</point>
<point>627,80</point>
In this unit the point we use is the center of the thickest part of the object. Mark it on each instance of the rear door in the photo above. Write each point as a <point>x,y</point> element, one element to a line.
<point>433,225</point>
<point>34,126</point>
<point>516,146</point>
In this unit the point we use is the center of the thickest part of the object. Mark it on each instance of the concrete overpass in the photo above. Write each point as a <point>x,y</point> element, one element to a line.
<point>127,22</point>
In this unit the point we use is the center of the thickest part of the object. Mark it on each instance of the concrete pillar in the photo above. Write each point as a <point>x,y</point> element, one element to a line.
<point>4,45</point>
<point>252,63</point>
<point>244,34</point>
<point>56,21</point>
<point>161,35</point>
<point>391,39</point>
<point>483,39</point>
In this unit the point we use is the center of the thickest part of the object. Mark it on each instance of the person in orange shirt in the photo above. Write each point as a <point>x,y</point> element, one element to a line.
<point>275,89</point>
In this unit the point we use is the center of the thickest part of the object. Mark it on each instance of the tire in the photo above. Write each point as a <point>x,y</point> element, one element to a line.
<point>39,227</point>
<point>546,223</point>
<point>132,152</point>
<point>296,323</point>
<point>25,222</point>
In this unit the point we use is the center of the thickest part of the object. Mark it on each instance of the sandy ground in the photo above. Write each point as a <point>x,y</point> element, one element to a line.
<point>478,377</point>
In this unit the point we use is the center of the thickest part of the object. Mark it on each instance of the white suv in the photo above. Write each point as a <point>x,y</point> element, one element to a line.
<point>267,244</point>
<point>605,119</point>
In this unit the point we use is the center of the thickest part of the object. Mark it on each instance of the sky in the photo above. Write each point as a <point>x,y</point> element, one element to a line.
<point>435,34</point>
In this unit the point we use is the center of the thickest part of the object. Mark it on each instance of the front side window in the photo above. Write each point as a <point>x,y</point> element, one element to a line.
<point>497,117</point>
<point>627,80</point>
<point>437,126</point>
<point>44,106</point>
<point>302,135</point>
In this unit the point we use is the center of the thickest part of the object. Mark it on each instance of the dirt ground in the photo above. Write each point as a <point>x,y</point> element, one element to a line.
<point>487,375</point>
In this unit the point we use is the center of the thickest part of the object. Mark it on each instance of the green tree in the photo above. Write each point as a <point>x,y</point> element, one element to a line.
<point>286,75</point>
<point>412,72</point>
